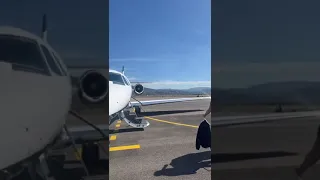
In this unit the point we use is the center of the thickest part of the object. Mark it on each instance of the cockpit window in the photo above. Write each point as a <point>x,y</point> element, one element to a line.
<point>59,63</point>
<point>51,62</point>
<point>116,78</point>
<point>23,53</point>
<point>126,81</point>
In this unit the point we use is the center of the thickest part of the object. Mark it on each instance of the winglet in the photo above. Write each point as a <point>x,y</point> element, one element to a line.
<point>122,69</point>
<point>44,28</point>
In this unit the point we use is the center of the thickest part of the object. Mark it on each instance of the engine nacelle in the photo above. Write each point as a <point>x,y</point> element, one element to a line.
<point>93,87</point>
<point>138,89</point>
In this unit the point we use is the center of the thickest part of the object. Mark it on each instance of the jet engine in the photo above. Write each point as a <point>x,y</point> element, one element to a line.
<point>93,87</point>
<point>138,89</point>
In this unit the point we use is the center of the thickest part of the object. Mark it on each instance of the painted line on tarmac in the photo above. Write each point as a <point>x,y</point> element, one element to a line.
<point>170,122</point>
<point>113,137</point>
<point>125,147</point>
<point>122,148</point>
<point>78,154</point>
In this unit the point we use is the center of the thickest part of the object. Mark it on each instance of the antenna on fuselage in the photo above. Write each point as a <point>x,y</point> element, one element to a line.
<point>44,28</point>
<point>122,70</point>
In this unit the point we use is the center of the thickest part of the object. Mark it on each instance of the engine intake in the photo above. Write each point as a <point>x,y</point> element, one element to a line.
<point>138,89</point>
<point>93,87</point>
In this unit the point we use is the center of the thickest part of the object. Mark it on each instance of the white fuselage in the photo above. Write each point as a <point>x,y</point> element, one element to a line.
<point>33,106</point>
<point>120,92</point>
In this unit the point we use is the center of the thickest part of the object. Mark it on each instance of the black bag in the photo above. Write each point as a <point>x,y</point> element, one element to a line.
<point>203,138</point>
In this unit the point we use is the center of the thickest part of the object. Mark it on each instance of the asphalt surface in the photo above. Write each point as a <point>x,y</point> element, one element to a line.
<point>263,151</point>
<point>269,150</point>
<point>160,144</point>
<point>167,151</point>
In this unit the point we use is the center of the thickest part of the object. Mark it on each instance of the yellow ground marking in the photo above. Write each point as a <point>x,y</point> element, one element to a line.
<point>113,137</point>
<point>118,123</point>
<point>122,148</point>
<point>169,122</point>
<point>78,153</point>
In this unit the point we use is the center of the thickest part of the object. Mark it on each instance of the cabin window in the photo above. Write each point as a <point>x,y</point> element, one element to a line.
<point>51,62</point>
<point>116,78</point>
<point>23,53</point>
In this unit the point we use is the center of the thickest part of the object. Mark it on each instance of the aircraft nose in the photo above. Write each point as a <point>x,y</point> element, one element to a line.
<point>119,98</point>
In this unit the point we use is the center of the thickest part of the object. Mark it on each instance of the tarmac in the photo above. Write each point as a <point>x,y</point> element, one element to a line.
<point>165,149</point>
<point>263,151</point>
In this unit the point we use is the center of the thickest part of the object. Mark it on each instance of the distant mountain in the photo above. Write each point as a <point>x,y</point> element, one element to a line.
<point>192,91</point>
<point>297,92</point>
<point>205,90</point>
<point>79,106</point>
<point>149,91</point>
<point>294,92</point>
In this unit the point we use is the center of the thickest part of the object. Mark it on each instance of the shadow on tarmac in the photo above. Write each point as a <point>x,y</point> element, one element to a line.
<point>186,164</point>
<point>191,163</point>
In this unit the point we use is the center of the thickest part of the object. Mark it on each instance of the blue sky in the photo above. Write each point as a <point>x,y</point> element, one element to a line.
<point>263,41</point>
<point>166,42</point>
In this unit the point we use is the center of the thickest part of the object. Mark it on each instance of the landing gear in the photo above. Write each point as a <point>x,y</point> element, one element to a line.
<point>137,110</point>
<point>40,167</point>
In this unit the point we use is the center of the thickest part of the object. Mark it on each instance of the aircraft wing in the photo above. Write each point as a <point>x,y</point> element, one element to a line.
<point>249,119</point>
<point>164,101</point>
<point>87,133</point>
<point>82,134</point>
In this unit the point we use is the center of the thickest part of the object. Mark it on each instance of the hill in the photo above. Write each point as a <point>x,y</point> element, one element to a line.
<point>191,91</point>
<point>79,106</point>
<point>298,92</point>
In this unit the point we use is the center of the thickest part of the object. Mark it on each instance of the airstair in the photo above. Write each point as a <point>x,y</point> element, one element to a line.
<point>133,120</point>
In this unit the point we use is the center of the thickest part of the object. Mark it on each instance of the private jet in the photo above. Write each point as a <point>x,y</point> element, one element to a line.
<point>35,102</point>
